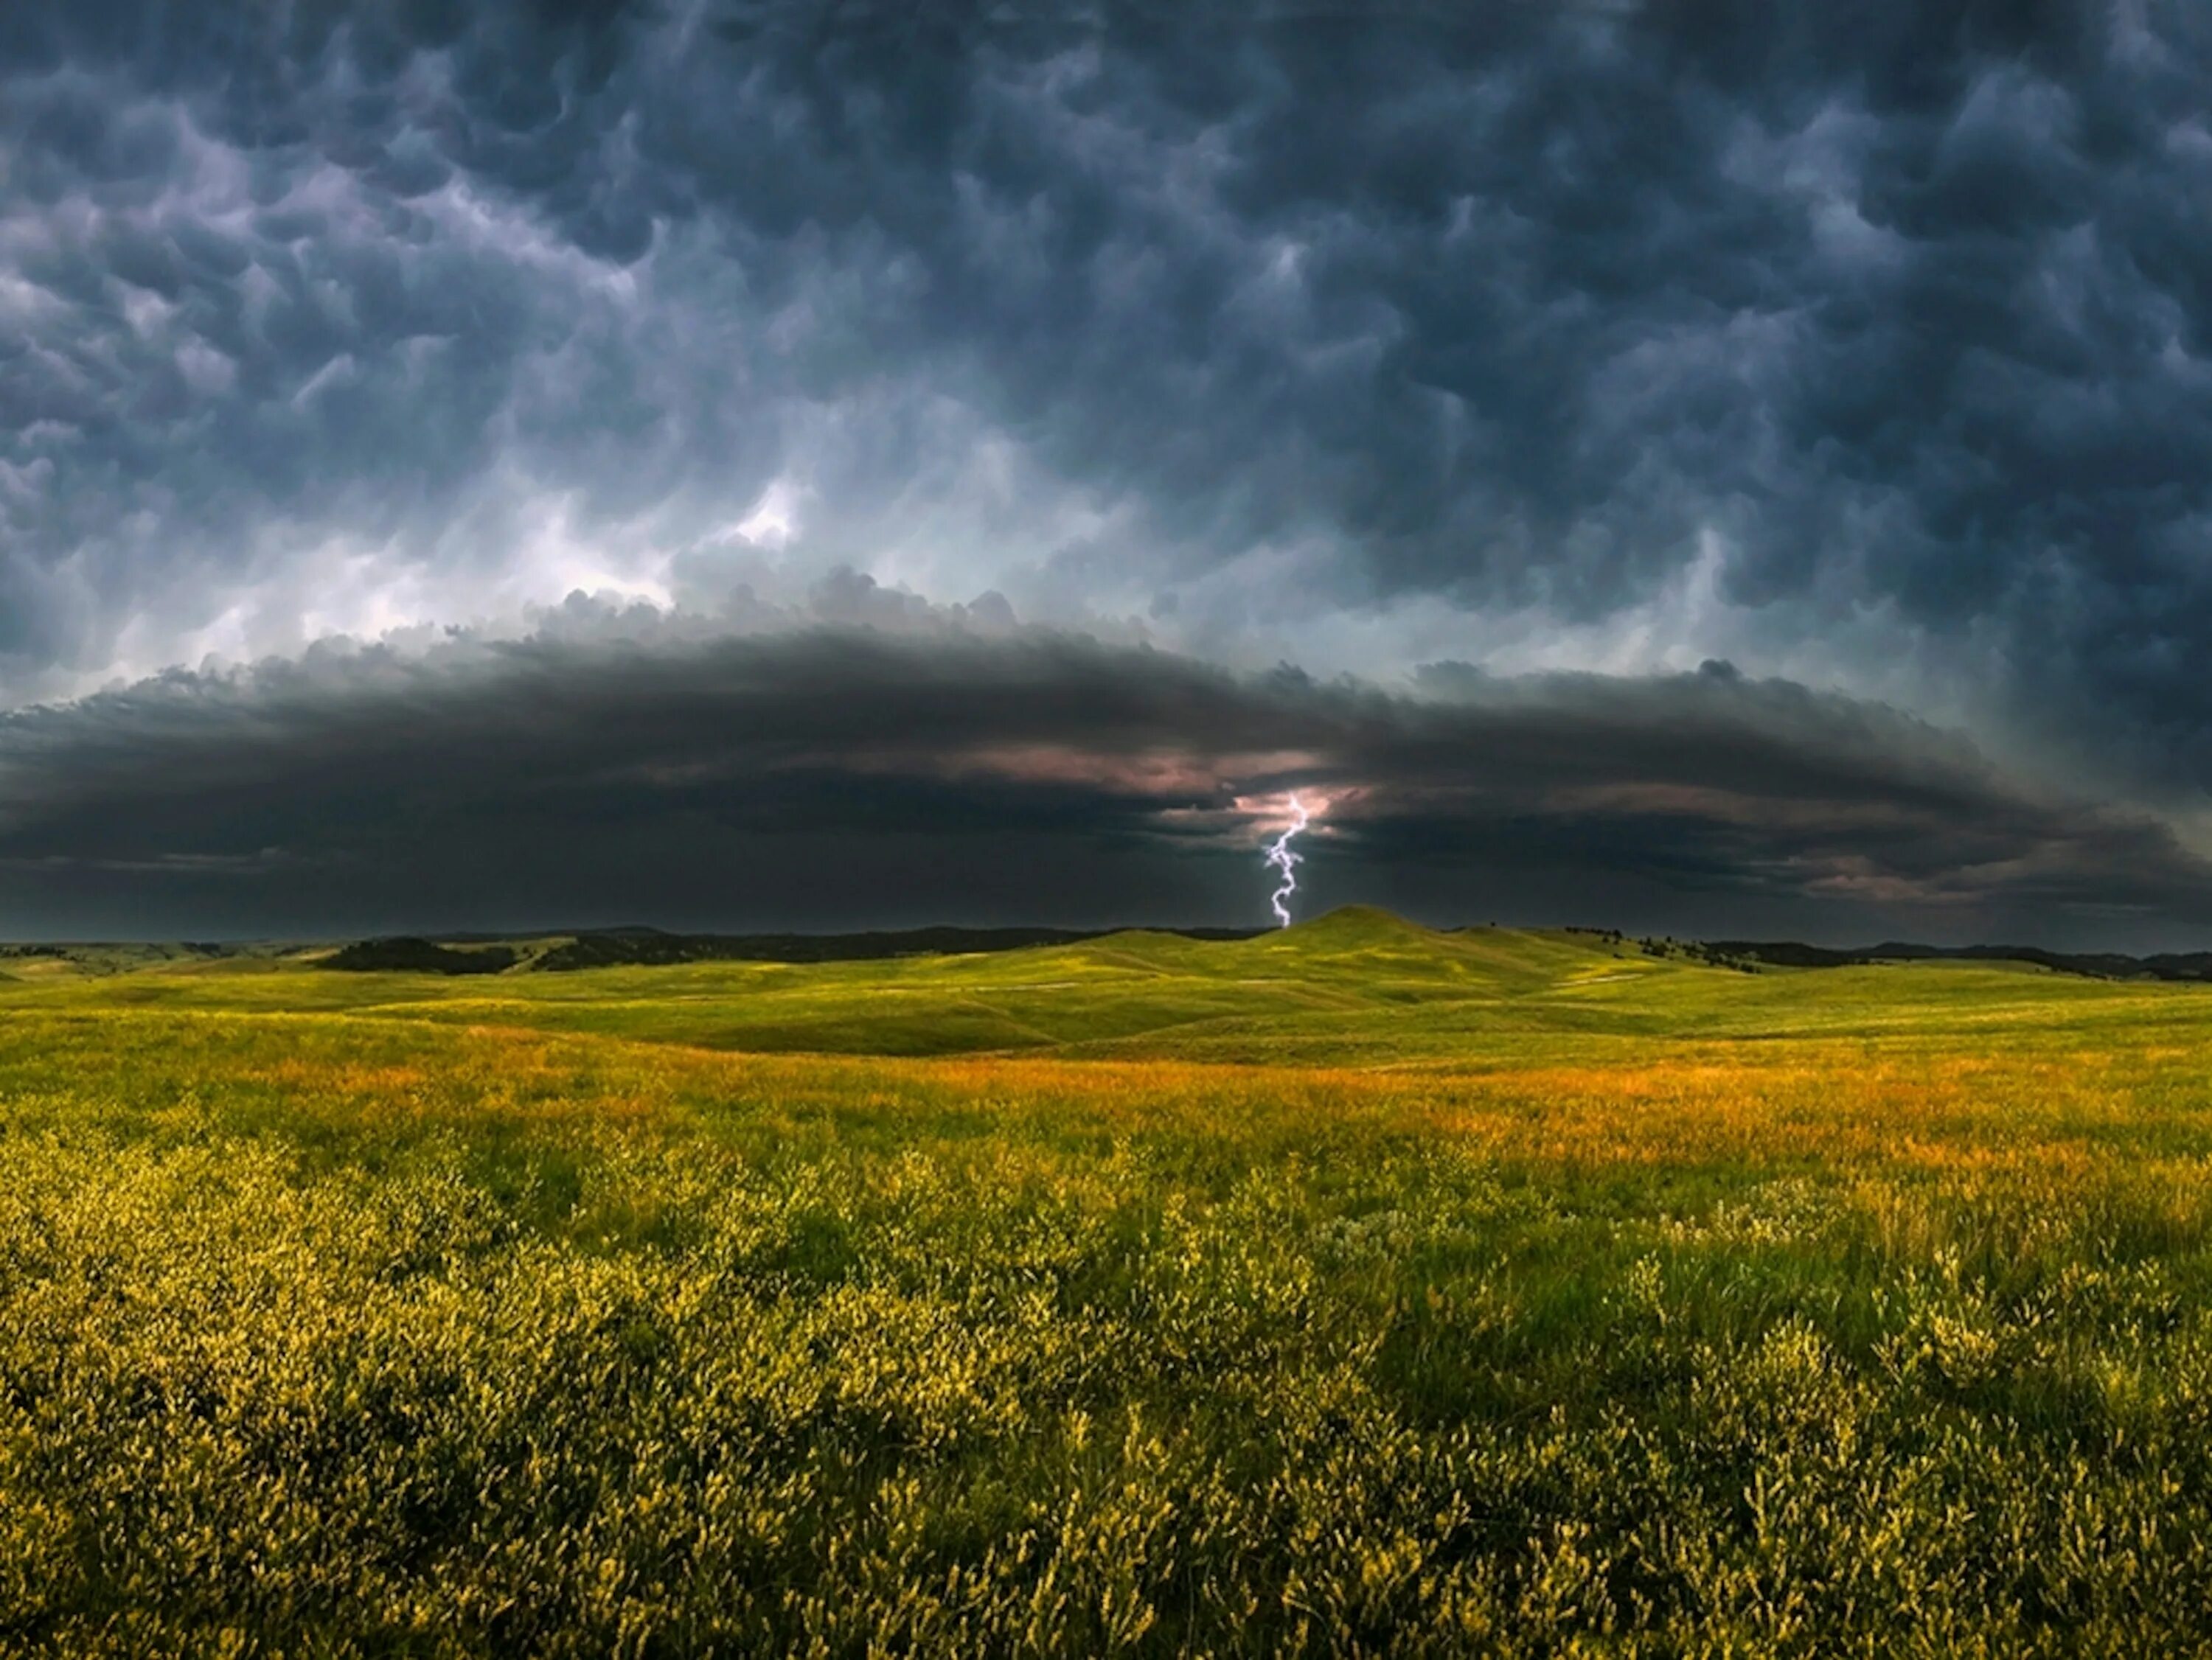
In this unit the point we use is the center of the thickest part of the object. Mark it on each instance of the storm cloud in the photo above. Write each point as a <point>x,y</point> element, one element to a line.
<point>616,767</point>
<point>1859,347</point>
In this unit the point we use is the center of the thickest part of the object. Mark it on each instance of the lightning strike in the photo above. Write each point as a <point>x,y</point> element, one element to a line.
<point>1281,858</point>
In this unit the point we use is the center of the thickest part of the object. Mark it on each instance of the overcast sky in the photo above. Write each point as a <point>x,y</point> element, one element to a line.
<point>1726,468</point>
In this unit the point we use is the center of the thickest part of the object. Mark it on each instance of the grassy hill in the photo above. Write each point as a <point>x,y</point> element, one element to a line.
<point>1349,1288</point>
<point>1359,987</point>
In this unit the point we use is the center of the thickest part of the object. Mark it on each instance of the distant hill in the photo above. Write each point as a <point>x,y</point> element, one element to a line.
<point>619,948</point>
<point>2096,965</point>
<point>1354,987</point>
<point>1362,928</point>
<point>417,956</point>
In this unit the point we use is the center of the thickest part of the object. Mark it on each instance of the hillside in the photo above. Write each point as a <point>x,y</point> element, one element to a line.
<point>616,948</point>
<point>1356,986</point>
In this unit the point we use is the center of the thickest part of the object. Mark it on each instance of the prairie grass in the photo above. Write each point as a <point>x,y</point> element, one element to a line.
<point>1528,1312</point>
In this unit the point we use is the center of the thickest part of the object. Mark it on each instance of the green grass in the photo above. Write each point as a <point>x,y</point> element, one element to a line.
<point>1355,987</point>
<point>1351,1289</point>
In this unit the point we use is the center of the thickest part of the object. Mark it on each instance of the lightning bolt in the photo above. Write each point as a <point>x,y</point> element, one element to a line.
<point>1281,858</point>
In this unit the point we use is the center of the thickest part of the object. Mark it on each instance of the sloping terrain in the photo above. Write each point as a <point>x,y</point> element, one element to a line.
<point>1357,986</point>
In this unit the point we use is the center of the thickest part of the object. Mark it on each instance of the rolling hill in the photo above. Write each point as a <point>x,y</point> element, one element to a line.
<point>1356,986</point>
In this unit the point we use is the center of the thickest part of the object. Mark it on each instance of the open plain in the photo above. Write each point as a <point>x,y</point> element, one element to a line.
<point>1354,1289</point>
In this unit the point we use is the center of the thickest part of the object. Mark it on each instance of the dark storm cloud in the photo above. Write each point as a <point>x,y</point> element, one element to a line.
<point>617,766</point>
<point>1507,304</point>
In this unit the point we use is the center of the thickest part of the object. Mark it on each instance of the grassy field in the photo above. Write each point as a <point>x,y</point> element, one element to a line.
<point>1351,1289</point>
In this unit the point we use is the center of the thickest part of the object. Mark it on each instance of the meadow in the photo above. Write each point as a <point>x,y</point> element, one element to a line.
<point>1353,1289</point>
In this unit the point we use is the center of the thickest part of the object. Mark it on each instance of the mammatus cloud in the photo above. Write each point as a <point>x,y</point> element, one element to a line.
<point>629,765</point>
<point>1861,345</point>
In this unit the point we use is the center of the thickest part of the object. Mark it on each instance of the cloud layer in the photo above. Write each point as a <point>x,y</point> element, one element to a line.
<point>618,767</point>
